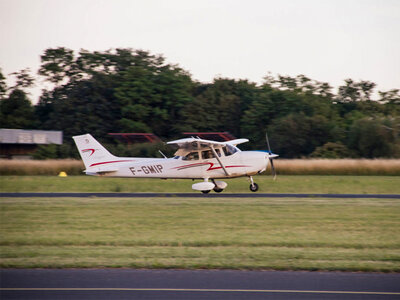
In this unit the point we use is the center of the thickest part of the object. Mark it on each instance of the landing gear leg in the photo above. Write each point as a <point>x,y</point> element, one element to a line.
<point>253,185</point>
<point>216,189</point>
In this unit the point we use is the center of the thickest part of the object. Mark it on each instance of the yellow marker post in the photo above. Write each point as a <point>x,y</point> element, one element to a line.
<point>62,174</point>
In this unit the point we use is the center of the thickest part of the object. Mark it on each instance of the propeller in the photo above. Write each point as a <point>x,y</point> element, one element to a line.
<point>270,157</point>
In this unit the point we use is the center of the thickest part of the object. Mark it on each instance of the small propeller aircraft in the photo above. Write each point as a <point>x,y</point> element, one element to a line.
<point>195,159</point>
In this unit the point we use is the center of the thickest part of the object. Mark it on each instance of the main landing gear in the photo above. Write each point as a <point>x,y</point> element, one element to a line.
<point>253,185</point>
<point>219,186</point>
<point>205,187</point>
<point>217,190</point>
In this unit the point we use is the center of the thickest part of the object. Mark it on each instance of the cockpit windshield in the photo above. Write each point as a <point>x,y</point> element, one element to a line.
<point>229,150</point>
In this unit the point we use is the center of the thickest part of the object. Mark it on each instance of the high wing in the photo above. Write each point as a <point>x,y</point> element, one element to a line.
<point>237,142</point>
<point>198,144</point>
<point>190,144</point>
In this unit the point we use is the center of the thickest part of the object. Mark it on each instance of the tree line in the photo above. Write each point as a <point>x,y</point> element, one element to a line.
<point>126,90</point>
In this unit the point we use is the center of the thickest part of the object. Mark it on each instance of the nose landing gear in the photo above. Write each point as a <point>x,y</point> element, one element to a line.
<point>253,185</point>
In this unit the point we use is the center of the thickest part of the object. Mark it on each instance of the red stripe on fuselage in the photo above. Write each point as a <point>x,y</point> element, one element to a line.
<point>206,163</point>
<point>109,162</point>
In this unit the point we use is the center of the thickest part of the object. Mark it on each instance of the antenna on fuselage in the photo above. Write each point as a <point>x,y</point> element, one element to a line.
<point>162,153</point>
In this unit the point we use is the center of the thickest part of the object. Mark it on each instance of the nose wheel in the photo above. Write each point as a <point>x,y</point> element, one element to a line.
<point>253,185</point>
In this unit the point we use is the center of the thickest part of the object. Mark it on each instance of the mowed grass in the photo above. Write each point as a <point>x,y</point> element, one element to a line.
<point>384,167</point>
<point>255,233</point>
<point>284,184</point>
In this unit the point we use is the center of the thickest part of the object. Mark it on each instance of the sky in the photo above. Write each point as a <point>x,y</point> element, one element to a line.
<point>325,40</point>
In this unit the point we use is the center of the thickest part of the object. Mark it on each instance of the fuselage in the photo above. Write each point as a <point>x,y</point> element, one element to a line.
<point>198,165</point>
<point>195,158</point>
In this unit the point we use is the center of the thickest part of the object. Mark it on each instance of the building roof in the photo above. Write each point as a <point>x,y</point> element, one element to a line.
<point>22,136</point>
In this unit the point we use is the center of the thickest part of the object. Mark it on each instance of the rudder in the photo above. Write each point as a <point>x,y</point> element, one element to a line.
<point>91,151</point>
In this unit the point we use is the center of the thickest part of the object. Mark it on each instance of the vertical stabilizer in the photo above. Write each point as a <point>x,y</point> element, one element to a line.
<point>91,151</point>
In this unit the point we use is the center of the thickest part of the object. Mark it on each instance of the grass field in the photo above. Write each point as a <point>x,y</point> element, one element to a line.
<point>284,184</point>
<point>281,234</point>
<point>384,167</point>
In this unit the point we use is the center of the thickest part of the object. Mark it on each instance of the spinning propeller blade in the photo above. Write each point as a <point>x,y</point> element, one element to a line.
<point>270,158</point>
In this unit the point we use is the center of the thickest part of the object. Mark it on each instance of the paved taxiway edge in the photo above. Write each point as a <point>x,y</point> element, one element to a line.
<point>194,284</point>
<point>198,195</point>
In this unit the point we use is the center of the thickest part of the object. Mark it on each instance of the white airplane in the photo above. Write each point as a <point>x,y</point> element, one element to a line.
<point>195,159</point>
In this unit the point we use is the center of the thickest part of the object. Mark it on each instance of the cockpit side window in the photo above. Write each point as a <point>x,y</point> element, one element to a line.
<point>207,154</point>
<point>191,156</point>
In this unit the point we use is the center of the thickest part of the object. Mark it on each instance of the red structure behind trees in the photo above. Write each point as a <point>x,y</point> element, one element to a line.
<point>131,138</point>
<point>215,136</point>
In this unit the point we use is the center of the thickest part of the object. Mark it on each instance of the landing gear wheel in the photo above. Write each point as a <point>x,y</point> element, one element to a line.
<point>254,187</point>
<point>218,190</point>
<point>206,192</point>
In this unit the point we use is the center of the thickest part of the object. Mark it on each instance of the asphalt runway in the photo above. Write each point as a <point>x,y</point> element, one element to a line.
<point>199,195</point>
<point>194,284</point>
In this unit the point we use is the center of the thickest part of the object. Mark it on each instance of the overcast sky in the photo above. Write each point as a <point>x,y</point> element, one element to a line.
<point>324,40</point>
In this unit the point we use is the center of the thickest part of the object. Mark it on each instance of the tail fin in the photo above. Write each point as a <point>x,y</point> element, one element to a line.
<point>91,151</point>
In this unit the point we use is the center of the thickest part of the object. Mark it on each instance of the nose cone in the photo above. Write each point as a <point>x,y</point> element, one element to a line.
<point>270,154</point>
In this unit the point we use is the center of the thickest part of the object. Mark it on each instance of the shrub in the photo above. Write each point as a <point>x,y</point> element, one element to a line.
<point>332,150</point>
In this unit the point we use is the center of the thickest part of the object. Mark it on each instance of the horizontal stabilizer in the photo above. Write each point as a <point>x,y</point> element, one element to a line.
<point>94,171</point>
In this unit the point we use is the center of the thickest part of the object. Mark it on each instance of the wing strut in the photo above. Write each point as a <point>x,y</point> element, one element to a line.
<point>220,163</point>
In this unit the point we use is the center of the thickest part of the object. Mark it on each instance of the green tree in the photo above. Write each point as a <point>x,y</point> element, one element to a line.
<point>126,90</point>
<point>349,92</point>
<point>332,150</point>
<point>3,86</point>
<point>80,107</point>
<point>373,138</point>
<point>112,91</point>
<point>298,135</point>
<point>354,91</point>
<point>17,111</point>
<point>151,99</point>
<point>390,97</point>
<point>46,152</point>
<point>390,100</point>
<point>299,84</point>
<point>219,106</point>
<point>58,64</point>
<point>23,79</point>
<point>366,89</point>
